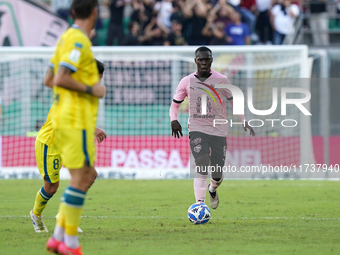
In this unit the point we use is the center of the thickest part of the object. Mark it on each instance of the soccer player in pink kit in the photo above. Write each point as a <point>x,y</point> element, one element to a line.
<point>208,143</point>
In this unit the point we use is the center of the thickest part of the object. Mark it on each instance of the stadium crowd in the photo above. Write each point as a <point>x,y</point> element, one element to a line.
<point>195,22</point>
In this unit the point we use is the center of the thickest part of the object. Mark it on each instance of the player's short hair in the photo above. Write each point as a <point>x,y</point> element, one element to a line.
<point>100,66</point>
<point>82,9</point>
<point>203,48</point>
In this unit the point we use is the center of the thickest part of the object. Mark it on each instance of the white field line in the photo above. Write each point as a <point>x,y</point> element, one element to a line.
<point>178,218</point>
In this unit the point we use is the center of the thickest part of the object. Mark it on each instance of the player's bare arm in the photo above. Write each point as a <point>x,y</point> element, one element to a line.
<point>100,135</point>
<point>175,125</point>
<point>48,80</point>
<point>64,79</point>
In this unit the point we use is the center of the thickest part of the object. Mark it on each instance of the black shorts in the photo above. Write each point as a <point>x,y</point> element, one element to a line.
<point>215,146</point>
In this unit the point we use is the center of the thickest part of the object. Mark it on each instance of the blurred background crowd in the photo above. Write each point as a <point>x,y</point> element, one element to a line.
<point>204,22</point>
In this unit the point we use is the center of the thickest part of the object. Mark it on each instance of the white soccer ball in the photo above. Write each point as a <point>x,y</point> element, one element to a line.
<point>199,213</point>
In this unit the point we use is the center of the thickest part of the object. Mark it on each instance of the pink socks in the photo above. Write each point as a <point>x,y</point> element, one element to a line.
<point>200,187</point>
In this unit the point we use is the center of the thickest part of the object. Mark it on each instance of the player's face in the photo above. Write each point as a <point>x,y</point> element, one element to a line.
<point>203,61</point>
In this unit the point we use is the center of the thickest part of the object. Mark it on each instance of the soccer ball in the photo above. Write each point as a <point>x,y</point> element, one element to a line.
<point>199,213</point>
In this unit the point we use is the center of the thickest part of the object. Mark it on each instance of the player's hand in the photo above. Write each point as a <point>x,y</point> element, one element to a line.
<point>176,129</point>
<point>98,90</point>
<point>100,135</point>
<point>252,132</point>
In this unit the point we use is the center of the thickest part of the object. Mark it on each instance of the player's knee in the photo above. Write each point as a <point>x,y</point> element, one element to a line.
<point>95,175</point>
<point>217,176</point>
<point>217,179</point>
<point>51,188</point>
<point>202,163</point>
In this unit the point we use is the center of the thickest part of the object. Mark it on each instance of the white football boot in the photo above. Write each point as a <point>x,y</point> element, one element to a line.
<point>38,224</point>
<point>213,198</point>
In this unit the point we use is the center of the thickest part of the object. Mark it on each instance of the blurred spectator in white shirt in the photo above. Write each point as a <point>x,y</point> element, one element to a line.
<point>164,10</point>
<point>283,18</point>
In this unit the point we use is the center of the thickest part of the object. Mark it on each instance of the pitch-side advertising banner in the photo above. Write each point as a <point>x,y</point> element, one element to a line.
<point>158,157</point>
<point>29,23</point>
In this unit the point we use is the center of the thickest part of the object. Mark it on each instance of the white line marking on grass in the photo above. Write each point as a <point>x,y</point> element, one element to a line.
<point>180,218</point>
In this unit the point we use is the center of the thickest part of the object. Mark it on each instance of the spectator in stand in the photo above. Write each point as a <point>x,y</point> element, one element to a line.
<point>196,12</point>
<point>175,37</point>
<point>282,19</point>
<point>247,17</point>
<point>319,22</point>
<point>134,37</point>
<point>214,29</point>
<point>148,4</point>
<point>237,32</point>
<point>131,39</point>
<point>115,31</point>
<point>164,10</point>
<point>263,21</point>
<point>250,5</point>
<point>141,14</point>
<point>177,13</point>
<point>62,8</point>
<point>155,36</point>
<point>222,12</point>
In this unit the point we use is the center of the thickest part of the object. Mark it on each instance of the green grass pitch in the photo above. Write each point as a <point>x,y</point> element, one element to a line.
<point>150,217</point>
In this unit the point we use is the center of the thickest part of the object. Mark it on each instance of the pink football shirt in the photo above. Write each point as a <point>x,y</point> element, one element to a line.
<point>191,87</point>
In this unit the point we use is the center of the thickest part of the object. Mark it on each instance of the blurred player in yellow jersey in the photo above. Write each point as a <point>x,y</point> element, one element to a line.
<point>74,118</point>
<point>49,162</point>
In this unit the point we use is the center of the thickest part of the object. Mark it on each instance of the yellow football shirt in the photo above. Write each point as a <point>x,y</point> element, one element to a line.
<point>72,109</point>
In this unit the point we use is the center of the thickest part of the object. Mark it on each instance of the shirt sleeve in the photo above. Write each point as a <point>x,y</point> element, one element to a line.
<point>74,53</point>
<point>181,92</point>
